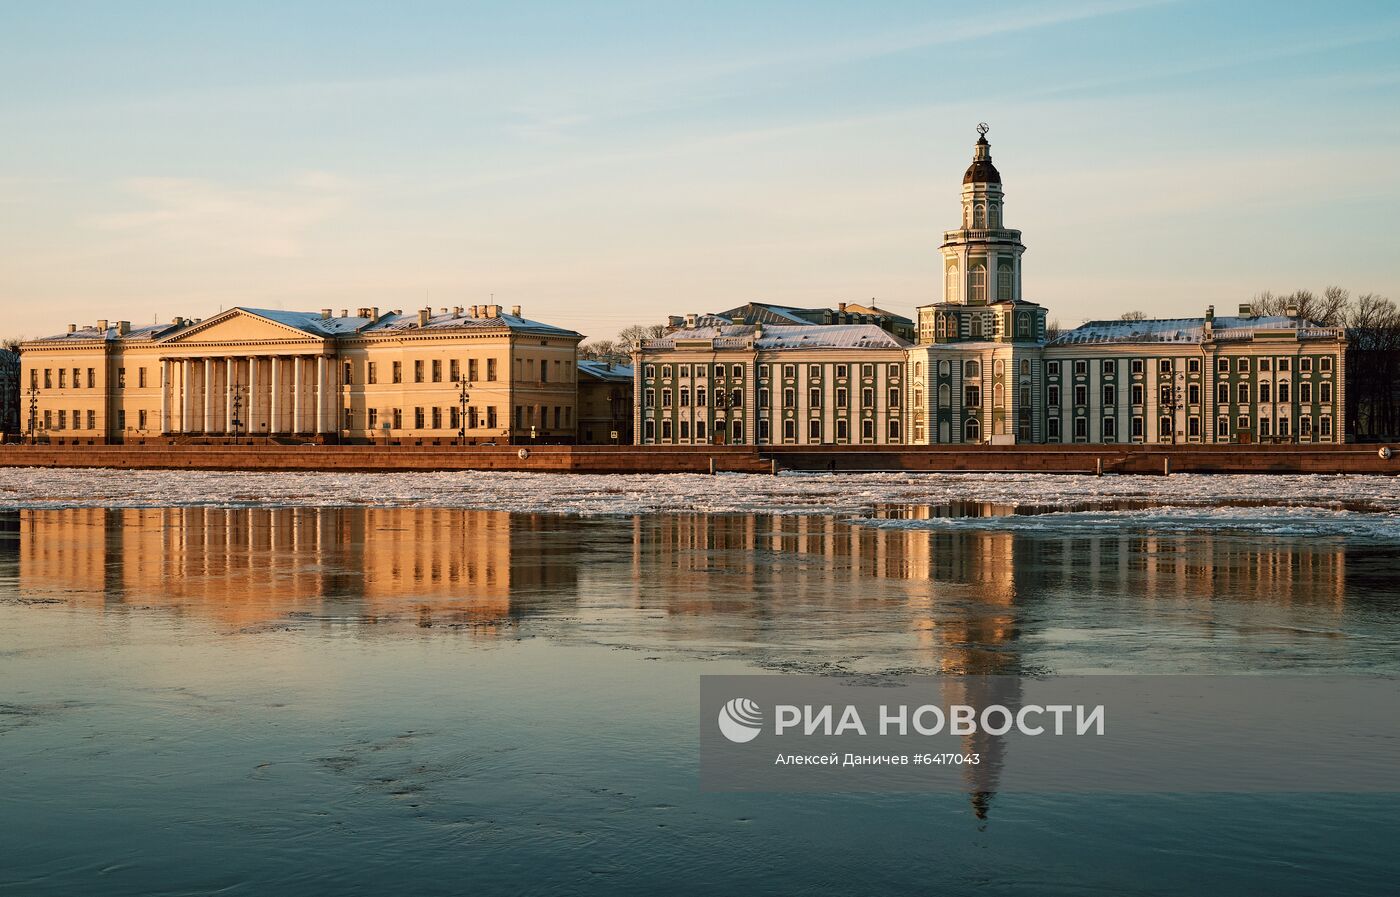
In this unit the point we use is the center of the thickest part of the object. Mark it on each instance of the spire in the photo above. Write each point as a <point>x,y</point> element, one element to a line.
<point>982,171</point>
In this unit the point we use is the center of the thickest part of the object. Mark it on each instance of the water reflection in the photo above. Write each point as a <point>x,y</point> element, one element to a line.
<point>811,594</point>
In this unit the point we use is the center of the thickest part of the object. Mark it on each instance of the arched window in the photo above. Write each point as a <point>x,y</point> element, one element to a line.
<point>918,369</point>
<point>1004,283</point>
<point>942,328</point>
<point>997,395</point>
<point>999,366</point>
<point>994,215</point>
<point>979,215</point>
<point>972,369</point>
<point>1023,325</point>
<point>972,430</point>
<point>950,290</point>
<point>945,396</point>
<point>1025,367</point>
<point>978,287</point>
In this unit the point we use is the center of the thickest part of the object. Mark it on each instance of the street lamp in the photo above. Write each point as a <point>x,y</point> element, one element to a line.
<point>33,414</point>
<point>237,407</point>
<point>463,397</point>
<point>721,423</point>
<point>1175,402</point>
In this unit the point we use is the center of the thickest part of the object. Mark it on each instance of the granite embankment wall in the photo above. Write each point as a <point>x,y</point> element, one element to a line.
<point>1147,459</point>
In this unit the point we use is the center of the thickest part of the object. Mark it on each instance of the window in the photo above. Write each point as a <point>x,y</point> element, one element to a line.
<point>1025,367</point>
<point>347,379</point>
<point>373,415</point>
<point>1110,367</point>
<point>814,371</point>
<point>1242,423</point>
<point>1264,392</point>
<point>867,398</point>
<point>789,430</point>
<point>454,371</point>
<point>1222,428</point>
<point>1243,393</point>
<point>789,371</point>
<point>62,378</point>
<point>1137,365</point>
<point>1081,429</point>
<point>1004,294</point>
<point>892,430</point>
<point>666,398</point>
<point>648,430</point>
<point>398,372</point>
<point>1283,365</point>
<point>1264,424</point>
<point>1193,394</point>
<point>950,285</point>
<point>648,398</point>
<point>1324,364</point>
<point>371,373</point>
<point>1137,394</point>
<point>1164,395</point>
<point>1265,365</point>
<point>842,397</point>
<point>1052,429</point>
<point>437,370</point>
<point>1305,427</point>
<point>736,372</point>
<point>763,370</point>
<point>1193,365</point>
<point>1108,394</point>
<point>763,397</point>
<point>976,326</point>
<point>814,397</point>
<point>789,397</point>
<point>972,396</point>
<point>701,400</point>
<point>1081,368</point>
<point>140,378</point>
<point>1193,427</point>
<point>1222,393</point>
<point>894,397</point>
<point>92,419</point>
<point>978,285</point>
<point>1081,395</point>
<point>418,371</point>
<point>1305,365</point>
<point>814,430</point>
<point>1324,393</point>
<point>92,379</point>
<point>1164,366</point>
<point>738,432</point>
<point>1324,425</point>
<point>1052,396</point>
<point>666,431</point>
<point>972,369</point>
<point>1110,429</point>
<point>62,416</point>
<point>1243,365</point>
<point>649,371</point>
<point>867,430</point>
<point>490,369</point>
<point>1164,428</point>
<point>121,378</point>
<point>437,418</point>
<point>1052,368</point>
<point>1223,365</point>
<point>867,371</point>
<point>736,398</point>
<point>666,371</point>
<point>972,430</point>
<point>685,370</point>
<point>1283,392</point>
<point>1138,426</point>
<point>491,416</point>
<point>842,371</point>
<point>1283,426</point>
<point>685,396</point>
<point>893,371</point>
<point>418,418</point>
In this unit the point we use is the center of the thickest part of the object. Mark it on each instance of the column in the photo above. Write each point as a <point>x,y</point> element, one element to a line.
<point>208,394</point>
<point>186,395</point>
<point>164,395</point>
<point>228,394</point>
<point>252,416</point>
<point>272,402</point>
<point>320,394</point>
<point>296,393</point>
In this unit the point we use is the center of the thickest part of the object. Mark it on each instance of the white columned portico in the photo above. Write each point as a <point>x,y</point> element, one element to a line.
<point>296,393</point>
<point>208,394</point>
<point>186,394</point>
<point>276,386</point>
<point>321,393</point>
<point>164,396</point>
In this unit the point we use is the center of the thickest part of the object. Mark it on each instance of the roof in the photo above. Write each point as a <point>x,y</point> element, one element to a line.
<point>311,322</point>
<point>786,336</point>
<point>982,171</point>
<point>1189,330</point>
<point>602,370</point>
<point>150,331</point>
<point>463,320</point>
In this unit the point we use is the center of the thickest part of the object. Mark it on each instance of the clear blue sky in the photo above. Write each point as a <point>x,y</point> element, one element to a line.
<point>612,163</point>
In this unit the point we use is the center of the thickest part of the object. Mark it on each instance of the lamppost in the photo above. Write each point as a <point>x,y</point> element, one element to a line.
<point>237,407</point>
<point>721,424</point>
<point>33,414</point>
<point>463,397</point>
<point>1175,402</point>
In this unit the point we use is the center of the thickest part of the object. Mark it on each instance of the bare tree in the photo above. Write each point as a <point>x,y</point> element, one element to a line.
<point>602,350</point>
<point>1053,329</point>
<point>630,338</point>
<point>1134,316</point>
<point>11,343</point>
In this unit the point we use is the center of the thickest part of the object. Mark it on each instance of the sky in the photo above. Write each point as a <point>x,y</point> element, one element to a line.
<point>604,164</point>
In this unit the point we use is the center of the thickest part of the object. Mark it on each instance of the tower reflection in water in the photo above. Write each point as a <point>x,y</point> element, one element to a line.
<point>813,591</point>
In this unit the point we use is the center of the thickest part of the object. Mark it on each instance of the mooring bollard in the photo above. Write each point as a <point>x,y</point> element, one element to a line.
<point>1098,467</point>
<point>774,465</point>
<point>1166,467</point>
<point>712,467</point>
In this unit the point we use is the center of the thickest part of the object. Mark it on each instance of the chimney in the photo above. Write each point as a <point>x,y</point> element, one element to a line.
<point>325,314</point>
<point>690,321</point>
<point>102,324</point>
<point>123,328</point>
<point>493,311</point>
<point>1210,313</point>
<point>177,321</point>
<point>515,310</point>
<point>840,306</point>
<point>1291,310</point>
<point>374,312</point>
<point>345,312</point>
<point>674,322</point>
<point>72,328</point>
<point>424,315</point>
<point>1246,310</point>
<point>456,311</point>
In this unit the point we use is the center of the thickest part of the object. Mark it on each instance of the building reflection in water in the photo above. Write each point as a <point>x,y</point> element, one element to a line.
<point>815,586</point>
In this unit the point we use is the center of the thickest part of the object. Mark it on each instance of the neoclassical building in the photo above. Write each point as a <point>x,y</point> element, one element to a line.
<point>479,374</point>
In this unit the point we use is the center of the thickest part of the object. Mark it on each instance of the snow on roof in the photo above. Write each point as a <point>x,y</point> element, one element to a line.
<point>464,321</point>
<point>790,336</point>
<point>604,371</point>
<point>311,322</point>
<point>1177,330</point>
<point>111,333</point>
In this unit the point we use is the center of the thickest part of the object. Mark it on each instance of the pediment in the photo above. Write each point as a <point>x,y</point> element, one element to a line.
<point>238,325</point>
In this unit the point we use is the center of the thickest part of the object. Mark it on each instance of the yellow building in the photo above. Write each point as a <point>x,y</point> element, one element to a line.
<point>478,374</point>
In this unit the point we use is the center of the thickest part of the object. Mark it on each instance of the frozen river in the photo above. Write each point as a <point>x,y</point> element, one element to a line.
<point>291,684</point>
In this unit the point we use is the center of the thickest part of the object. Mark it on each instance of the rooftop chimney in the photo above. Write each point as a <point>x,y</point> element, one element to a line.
<point>345,312</point>
<point>123,328</point>
<point>72,328</point>
<point>1210,313</point>
<point>424,316</point>
<point>1291,310</point>
<point>457,311</point>
<point>1246,310</point>
<point>840,306</point>
<point>515,310</point>
<point>374,312</point>
<point>325,314</point>
<point>690,321</point>
<point>102,324</point>
<point>493,311</point>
